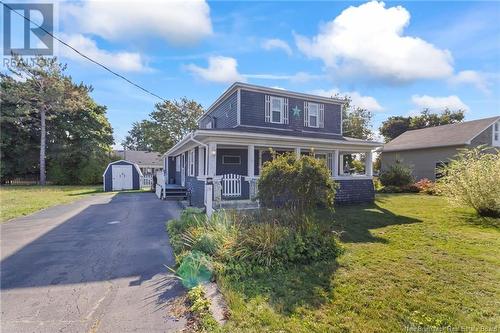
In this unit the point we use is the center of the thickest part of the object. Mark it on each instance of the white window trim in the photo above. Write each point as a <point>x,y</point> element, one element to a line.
<point>496,143</point>
<point>281,111</point>
<point>316,115</point>
<point>191,166</point>
<point>238,156</point>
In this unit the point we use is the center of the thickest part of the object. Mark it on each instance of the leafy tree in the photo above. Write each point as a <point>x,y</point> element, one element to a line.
<point>356,121</point>
<point>43,90</point>
<point>167,124</point>
<point>397,125</point>
<point>58,125</point>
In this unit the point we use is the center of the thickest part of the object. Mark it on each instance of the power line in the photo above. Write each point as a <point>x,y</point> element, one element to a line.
<point>85,56</point>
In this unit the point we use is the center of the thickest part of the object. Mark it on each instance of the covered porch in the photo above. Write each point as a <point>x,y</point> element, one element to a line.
<point>219,167</point>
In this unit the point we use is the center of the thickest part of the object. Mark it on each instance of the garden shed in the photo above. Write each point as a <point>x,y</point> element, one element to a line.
<point>122,175</point>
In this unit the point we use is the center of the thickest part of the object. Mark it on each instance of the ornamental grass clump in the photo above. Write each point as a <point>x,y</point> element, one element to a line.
<point>472,179</point>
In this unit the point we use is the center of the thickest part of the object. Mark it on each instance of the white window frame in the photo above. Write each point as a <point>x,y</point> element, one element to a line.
<point>496,132</point>
<point>281,110</point>
<point>225,163</point>
<point>309,114</point>
<point>191,166</point>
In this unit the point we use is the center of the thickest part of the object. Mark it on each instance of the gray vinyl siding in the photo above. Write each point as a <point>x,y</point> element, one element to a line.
<point>422,161</point>
<point>253,114</point>
<point>240,169</point>
<point>225,114</point>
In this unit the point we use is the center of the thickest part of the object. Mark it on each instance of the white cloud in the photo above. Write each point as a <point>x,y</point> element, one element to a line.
<point>272,44</point>
<point>178,22</point>
<point>452,102</point>
<point>368,40</point>
<point>124,61</point>
<point>365,102</point>
<point>220,69</point>
<point>473,78</point>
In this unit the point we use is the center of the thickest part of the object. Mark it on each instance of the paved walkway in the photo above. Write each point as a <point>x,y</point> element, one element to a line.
<point>95,265</point>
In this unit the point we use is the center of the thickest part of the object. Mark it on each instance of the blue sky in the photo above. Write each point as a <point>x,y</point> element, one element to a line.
<point>394,58</point>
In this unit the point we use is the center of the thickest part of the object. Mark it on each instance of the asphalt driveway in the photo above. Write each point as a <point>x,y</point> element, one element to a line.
<point>96,265</point>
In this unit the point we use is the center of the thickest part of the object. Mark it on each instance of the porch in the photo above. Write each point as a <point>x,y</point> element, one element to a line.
<point>222,174</point>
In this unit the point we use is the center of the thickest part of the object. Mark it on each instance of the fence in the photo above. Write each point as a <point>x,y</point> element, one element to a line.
<point>147,180</point>
<point>231,185</point>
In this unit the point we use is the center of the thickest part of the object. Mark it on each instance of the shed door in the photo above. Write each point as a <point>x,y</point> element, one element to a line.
<point>122,177</point>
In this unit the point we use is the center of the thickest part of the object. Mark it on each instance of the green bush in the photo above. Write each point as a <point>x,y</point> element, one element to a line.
<point>397,175</point>
<point>298,184</point>
<point>473,179</point>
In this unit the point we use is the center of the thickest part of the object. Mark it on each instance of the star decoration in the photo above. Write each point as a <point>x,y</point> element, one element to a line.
<point>296,111</point>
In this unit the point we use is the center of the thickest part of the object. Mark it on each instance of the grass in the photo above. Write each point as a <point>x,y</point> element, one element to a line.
<point>24,200</point>
<point>410,262</point>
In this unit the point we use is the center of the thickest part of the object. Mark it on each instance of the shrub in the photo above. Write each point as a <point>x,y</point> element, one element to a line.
<point>399,189</point>
<point>473,179</point>
<point>298,184</point>
<point>426,186</point>
<point>397,175</point>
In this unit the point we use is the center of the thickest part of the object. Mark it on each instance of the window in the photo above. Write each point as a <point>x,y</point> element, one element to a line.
<point>208,125</point>
<point>191,160</point>
<point>178,163</point>
<point>231,159</point>
<point>496,134</point>
<point>276,110</point>
<point>314,115</point>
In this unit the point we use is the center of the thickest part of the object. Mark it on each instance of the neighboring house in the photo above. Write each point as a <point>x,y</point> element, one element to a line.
<point>426,149</point>
<point>236,134</point>
<point>148,161</point>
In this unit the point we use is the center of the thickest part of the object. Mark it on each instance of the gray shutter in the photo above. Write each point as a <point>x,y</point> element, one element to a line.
<point>268,109</point>
<point>321,116</point>
<point>285,110</point>
<point>306,114</point>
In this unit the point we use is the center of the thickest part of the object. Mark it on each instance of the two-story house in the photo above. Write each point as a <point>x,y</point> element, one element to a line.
<point>238,131</point>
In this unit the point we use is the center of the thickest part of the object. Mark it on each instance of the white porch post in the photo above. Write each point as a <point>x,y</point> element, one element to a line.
<point>297,152</point>
<point>368,164</point>
<point>201,161</point>
<point>341,165</point>
<point>335,166</point>
<point>251,161</point>
<point>212,159</point>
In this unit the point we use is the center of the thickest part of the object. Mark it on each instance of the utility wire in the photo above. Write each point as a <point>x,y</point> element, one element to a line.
<point>85,56</point>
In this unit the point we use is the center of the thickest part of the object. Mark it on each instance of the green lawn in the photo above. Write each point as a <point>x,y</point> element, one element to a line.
<point>18,201</point>
<point>409,260</point>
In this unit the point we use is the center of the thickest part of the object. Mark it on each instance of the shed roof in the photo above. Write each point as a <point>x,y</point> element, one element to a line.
<point>141,157</point>
<point>440,136</point>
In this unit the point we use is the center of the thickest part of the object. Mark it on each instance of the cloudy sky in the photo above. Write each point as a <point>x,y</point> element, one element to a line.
<point>393,58</point>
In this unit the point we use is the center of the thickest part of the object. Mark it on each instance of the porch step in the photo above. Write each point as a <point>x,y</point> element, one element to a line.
<point>239,204</point>
<point>175,193</point>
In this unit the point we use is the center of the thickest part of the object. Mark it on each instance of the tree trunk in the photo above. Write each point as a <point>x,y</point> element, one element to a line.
<point>42,146</point>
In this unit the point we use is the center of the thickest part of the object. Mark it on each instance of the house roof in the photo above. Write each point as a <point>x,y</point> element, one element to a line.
<point>239,136</point>
<point>440,136</point>
<point>141,157</point>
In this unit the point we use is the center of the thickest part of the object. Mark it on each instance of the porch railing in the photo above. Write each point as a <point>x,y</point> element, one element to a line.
<point>231,185</point>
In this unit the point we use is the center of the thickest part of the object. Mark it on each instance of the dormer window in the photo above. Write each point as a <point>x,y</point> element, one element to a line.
<point>276,110</point>
<point>314,115</point>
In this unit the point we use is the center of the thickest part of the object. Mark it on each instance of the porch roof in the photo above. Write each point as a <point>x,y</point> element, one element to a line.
<point>238,137</point>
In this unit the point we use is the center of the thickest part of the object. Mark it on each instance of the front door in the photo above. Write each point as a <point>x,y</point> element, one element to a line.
<point>122,177</point>
<point>183,170</point>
